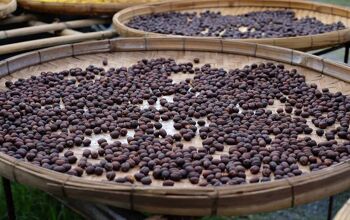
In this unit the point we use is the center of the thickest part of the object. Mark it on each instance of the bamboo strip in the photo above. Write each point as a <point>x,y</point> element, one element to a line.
<point>50,27</point>
<point>64,32</point>
<point>325,12</point>
<point>53,41</point>
<point>17,19</point>
<point>187,199</point>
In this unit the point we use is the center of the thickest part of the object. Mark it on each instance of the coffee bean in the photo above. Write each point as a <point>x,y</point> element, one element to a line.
<point>94,154</point>
<point>139,176</point>
<point>60,169</point>
<point>254,179</point>
<point>86,153</point>
<point>194,180</point>
<point>168,183</point>
<point>120,180</point>
<point>110,175</point>
<point>72,159</point>
<point>90,170</point>
<point>105,62</point>
<point>254,169</point>
<point>125,167</point>
<point>114,134</point>
<point>98,171</point>
<point>86,142</point>
<point>196,60</point>
<point>79,171</point>
<point>319,132</point>
<point>146,180</point>
<point>303,160</point>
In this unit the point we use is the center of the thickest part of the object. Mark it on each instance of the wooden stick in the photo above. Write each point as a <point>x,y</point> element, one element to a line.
<point>60,33</point>
<point>50,27</point>
<point>53,41</point>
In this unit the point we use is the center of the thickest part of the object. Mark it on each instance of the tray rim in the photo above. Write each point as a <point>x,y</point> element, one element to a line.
<point>196,201</point>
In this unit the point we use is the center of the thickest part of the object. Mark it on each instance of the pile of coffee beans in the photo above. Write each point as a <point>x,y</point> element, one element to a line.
<point>44,119</point>
<point>262,24</point>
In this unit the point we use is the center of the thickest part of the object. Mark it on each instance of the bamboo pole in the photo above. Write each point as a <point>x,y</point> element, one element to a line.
<point>54,41</point>
<point>344,212</point>
<point>60,33</point>
<point>50,27</point>
<point>17,19</point>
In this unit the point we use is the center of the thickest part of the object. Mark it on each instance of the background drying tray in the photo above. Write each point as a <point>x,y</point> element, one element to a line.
<point>184,198</point>
<point>80,7</point>
<point>323,12</point>
<point>344,212</point>
<point>7,7</point>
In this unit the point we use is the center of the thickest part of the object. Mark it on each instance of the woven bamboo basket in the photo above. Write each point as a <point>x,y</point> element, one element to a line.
<point>344,212</point>
<point>7,7</point>
<point>184,198</point>
<point>80,7</point>
<point>324,12</point>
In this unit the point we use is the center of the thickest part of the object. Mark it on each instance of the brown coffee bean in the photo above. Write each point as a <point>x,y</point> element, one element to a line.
<point>254,169</point>
<point>254,179</point>
<point>146,180</point>
<point>120,180</point>
<point>105,62</point>
<point>72,159</point>
<point>194,180</point>
<point>115,134</point>
<point>110,175</point>
<point>86,142</point>
<point>303,160</point>
<point>125,167</point>
<point>196,60</point>
<point>86,153</point>
<point>90,170</point>
<point>98,171</point>
<point>168,183</point>
<point>79,171</point>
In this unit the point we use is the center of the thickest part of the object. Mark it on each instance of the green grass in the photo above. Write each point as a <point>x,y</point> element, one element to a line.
<point>338,2</point>
<point>32,204</point>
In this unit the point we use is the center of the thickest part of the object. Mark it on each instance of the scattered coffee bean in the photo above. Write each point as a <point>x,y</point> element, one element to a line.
<point>146,180</point>
<point>110,175</point>
<point>231,116</point>
<point>168,183</point>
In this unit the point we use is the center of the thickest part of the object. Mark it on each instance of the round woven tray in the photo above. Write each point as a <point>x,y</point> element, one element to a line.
<point>344,212</point>
<point>324,12</point>
<point>79,7</point>
<point>184,198</point>
<point>7,7</point>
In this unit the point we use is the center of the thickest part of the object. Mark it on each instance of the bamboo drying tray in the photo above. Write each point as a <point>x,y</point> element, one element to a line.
<point>7,7</point>
<point>184,198</point>
<point>344,212</point>
<point>80,7</point>
<point>324,12</point>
